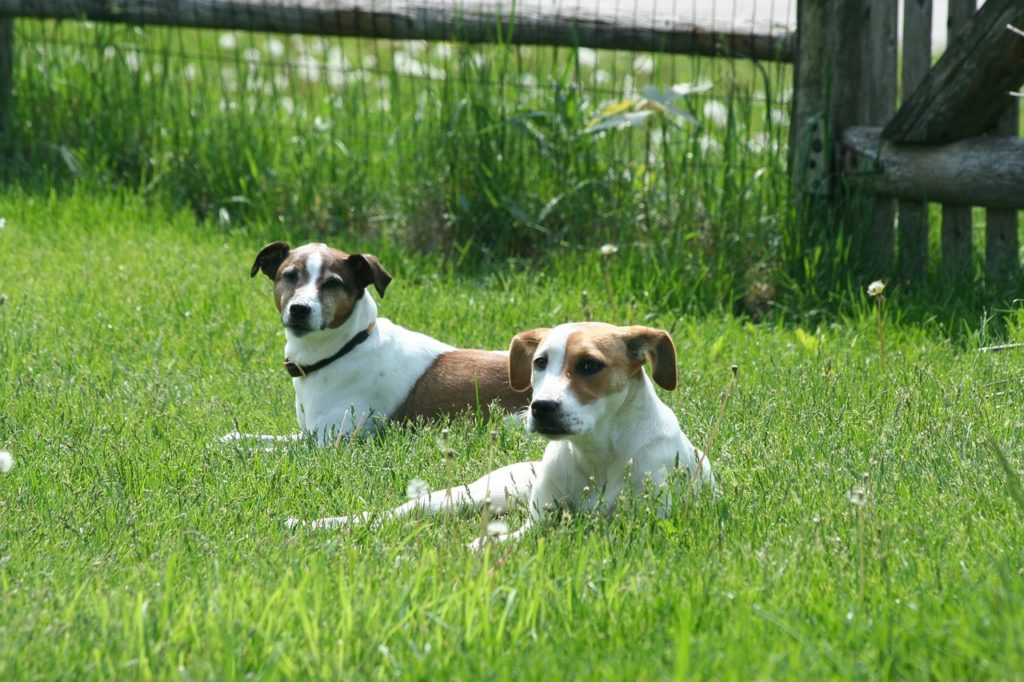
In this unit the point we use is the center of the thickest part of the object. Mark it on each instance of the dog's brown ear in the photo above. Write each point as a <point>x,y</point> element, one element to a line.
<point>369,271</point>
<point>269,259</point>
<point>646,342</point>
<point>520,357</point>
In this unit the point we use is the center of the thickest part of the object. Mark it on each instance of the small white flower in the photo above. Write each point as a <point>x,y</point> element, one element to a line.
<point>308,68</point>
<point>321,124</point>
<point>223,217</point>
<point>643,64</point>
<point>6,461</point>
<point>416,487</point>
<point>133,60</point>
<point>587,57</point>
<point>275,47</point>
<point>716,112</point>
<point>609,250</point>
<point>227,41</point>
<point>876,288</point>
<point>3,223</point>
<point>252,57</point>
<point>496,528</point>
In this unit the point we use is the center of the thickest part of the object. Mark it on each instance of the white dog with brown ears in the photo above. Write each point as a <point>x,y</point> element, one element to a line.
<point>608,430</point>
<point>351,368</point>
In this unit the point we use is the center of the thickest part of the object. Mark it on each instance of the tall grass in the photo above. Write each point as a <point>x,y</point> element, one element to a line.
<point>480,153</point>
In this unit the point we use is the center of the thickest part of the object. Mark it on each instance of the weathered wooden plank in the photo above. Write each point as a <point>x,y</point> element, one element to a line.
<point>1002,248</point>
<point>808,152</point>
<point>966,91</point>
<point>6,71</point>
<point>957,249</point>
<point>912,226</point>
<point>536,22</point>
<point>864,93</point>
<point>981,171</point>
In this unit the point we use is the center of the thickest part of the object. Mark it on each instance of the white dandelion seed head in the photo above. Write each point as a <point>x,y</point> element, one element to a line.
<point>857,496</point>
<point>416,487</point>
<point>609,250</point>
<point>6,461</point>
<point>876,288</point>
<point>227,41</point>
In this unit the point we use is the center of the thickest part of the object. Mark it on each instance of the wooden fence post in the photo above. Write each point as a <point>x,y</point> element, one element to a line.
<point>917,60</point>
<point>956,220</point>
<point>1002,250</point>
<point>808,152</point>
<point>864,93</point>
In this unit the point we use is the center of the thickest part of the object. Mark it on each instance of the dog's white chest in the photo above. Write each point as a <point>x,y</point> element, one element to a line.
<point>369,383</point>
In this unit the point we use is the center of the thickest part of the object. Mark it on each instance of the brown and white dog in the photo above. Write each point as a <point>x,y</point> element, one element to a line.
<point>607,428</point>
<point>351,368</point>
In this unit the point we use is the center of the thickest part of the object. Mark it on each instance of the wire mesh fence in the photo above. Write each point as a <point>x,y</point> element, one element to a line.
<point>482,150</point>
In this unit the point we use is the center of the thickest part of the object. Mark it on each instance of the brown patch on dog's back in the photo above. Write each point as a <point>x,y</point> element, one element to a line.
<point>459,380</point>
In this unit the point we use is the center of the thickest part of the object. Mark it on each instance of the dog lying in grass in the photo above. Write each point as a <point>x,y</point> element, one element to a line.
<point>351,368</point>
<point>608,431</point>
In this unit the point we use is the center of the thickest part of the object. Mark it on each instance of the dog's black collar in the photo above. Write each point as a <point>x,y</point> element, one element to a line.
<point>297,370</point>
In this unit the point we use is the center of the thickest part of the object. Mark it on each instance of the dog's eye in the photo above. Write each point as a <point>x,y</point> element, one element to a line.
<point>331,282</point>
<point>589,366</point>
<point>540,362</point>
<point>290,275</point>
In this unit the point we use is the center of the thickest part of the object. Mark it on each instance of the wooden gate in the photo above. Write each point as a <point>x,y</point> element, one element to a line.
<point>954,139</point>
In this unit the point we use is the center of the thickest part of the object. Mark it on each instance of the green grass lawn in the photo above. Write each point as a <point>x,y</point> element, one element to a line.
<point>865,527</point>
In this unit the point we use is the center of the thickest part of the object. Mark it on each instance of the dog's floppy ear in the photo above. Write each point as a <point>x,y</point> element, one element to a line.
<point>269,259</point>
<point>368,270</point>
<point>520,357</point>
<point>646,342</point>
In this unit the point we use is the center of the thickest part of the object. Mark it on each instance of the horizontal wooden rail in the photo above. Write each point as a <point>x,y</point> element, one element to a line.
<point>530,22</point>
<point>979,171</point>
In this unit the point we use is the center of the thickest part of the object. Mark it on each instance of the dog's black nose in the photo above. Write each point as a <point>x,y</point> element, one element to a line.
<point>543,409</point>
<point>299,310</point>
